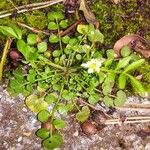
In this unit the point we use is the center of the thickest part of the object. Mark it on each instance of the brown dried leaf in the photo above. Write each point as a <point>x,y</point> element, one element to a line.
<point>88,14</point>
<point>135,42</point>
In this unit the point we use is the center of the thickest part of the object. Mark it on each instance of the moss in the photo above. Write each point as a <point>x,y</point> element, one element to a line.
<point>121,19</point>
<point>145,70</point>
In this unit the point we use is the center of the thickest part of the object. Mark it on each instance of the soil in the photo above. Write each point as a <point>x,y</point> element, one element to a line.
<point>18,126</point>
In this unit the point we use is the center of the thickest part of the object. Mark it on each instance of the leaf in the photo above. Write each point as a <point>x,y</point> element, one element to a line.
<point>52,26</point>
<point>28,52</point>
<point>62,108</point>
<point>125,51</point>
<point>137,86</point>
<point>59,124</point>
<point>31,76</point>
<point>121,98</point>
<point>42,133</point>
<point>67,95</point>
<point>101,77</point>
<point>17,31</point>
<point>108,101</point>
<point>82,29</point>
<point>42,47</point>
<point>63,24</point>
<point>123,62</point>
<point>8,31</point>
<point>32,39</point>
<point>122,81</point>
<point>84,114</point>
<point>53,39</point>
<point>134,65</point>
<point>55,16</point>
<point>43,115</point>
<point>93,98</point>
<point>96,36</point>
<point>35,104</point>
<point>53,142</point>
<point>107,89</point>
<point>57,53</point>
<point>51,98</point>
<point>65,39</point>
<point>88,14</point>
<point>108,62</point>
<point>110,53</point>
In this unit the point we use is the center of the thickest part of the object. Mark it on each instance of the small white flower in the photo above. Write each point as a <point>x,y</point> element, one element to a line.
<point>93,65</point>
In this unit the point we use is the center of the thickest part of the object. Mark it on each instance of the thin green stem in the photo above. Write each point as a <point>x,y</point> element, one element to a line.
<point>60,43</point>
<point>54,109</point>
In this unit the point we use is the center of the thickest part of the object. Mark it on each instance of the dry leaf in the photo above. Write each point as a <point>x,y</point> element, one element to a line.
<point>135,42</point>
<point>88,14</point>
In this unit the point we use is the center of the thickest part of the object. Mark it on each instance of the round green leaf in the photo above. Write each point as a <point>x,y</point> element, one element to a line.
<point>65,39</point>
<point>59,124</point>
<point>93,98</point>
<point>32,39</point>
<point>50,98</point>
<point>125,51</point>
<point>42,133</point>
<point>53,39</point>
<point>110,53</point>
<point>121,98</point>
<point>42,47</point>
<point>82,29</point>
<point>35,104</point>
<point>56,53</point>
<point>53,142</point>
<point>84,114</point>
<point>52,26</point>
<point>43,115</point>
<point>55,15</point>
<point>63,24</point>
<point>108,101</point>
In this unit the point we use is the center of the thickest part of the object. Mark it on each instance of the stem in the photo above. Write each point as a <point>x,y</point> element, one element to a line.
<point>59,35</point>
<point>91,106</point>
<point>54,109</point>
<point>32,29</point>
<point>4,55</point>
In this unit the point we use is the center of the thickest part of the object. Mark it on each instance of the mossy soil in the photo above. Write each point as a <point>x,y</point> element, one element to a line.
<point>116,20</point>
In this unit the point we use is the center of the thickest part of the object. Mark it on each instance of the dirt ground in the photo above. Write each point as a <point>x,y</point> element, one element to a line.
<point>18,125</point>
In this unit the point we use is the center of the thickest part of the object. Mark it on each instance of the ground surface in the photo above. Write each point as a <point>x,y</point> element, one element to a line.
<point>18,126</point>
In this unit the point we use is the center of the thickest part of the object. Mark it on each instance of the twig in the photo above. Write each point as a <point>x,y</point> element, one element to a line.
<point>32,29</point>
<point>4,55</point>
<point>91,106</point>
<point>125,122</point>
<point>70,28</point>
<point>137,105</point>
<point>133,109</point>
<point>26,6</point>
<point>130,118</point>
<point>31,9</point>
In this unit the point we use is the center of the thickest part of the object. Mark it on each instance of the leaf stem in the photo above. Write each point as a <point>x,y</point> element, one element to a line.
<point>54,109</point>
<point>59,35</point>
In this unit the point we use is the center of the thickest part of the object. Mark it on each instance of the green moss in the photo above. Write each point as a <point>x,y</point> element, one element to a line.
<point>118,20</point>
<point>145,71</point>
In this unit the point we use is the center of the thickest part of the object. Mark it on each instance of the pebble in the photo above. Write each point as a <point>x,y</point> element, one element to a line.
<point>147,147</point>
<point>19,139</point>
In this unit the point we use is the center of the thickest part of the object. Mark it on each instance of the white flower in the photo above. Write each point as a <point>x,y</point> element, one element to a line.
<point>93,65</point>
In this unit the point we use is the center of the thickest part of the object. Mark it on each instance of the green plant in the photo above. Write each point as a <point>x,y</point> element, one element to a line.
<point>75,68</point>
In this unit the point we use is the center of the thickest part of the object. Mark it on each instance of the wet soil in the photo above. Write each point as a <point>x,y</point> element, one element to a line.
<point>18,126</point>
